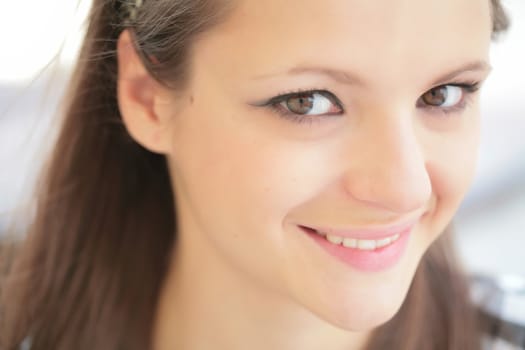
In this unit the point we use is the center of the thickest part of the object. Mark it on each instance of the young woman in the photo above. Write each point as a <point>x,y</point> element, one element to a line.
<point>259,175</point>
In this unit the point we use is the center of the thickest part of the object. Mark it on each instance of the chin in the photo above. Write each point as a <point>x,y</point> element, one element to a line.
<point>363,319</point>
<point>366,309</point>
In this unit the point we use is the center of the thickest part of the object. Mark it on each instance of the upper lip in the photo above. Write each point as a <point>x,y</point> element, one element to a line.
<point>376,232</point>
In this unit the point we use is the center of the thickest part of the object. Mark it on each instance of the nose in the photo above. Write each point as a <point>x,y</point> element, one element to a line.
<point>387,166</point>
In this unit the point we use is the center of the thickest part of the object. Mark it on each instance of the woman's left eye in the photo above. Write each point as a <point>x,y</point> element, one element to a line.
<point>447,97</point>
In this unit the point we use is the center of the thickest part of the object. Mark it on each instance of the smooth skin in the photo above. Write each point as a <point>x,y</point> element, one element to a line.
<point>243,275</point>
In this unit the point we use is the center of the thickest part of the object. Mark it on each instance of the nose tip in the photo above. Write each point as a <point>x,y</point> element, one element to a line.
<point>390,173</point>
<point>396,191</point>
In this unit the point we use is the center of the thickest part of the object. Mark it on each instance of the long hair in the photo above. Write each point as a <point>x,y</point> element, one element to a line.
<point>89,272</point>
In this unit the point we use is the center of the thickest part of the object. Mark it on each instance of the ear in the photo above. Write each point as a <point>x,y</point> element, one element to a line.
<point>140,98</point>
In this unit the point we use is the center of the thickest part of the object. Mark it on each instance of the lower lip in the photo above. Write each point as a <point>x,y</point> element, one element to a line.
<point>364,260</point>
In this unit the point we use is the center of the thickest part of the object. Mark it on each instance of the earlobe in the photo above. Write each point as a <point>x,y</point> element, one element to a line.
<point>137,92</point>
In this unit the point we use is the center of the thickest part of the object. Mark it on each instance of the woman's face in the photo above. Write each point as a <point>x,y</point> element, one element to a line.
<point>389,137</point>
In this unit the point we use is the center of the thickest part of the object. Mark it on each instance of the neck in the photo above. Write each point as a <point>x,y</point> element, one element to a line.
<point>207,304</point>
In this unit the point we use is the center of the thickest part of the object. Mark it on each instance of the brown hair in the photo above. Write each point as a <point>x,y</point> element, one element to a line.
<point>89,273</point>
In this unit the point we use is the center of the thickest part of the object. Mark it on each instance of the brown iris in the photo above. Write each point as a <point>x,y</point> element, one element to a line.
<point>436,97</point>
<point>300,104</point>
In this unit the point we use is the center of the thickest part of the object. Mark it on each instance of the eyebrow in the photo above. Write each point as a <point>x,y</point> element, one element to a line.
<point>352,79</point>
<point>475,66</point>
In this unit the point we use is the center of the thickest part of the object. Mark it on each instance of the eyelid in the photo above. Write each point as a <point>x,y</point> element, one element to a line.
<point>286,95</point>
<point>469,88</point>
<point>275,104</point>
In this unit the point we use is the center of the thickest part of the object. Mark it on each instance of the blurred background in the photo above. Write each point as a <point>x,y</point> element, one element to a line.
<point>40,41</point>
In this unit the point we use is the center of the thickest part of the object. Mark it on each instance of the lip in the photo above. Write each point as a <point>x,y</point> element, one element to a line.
<point>374,233</point>
<point>366,260</point>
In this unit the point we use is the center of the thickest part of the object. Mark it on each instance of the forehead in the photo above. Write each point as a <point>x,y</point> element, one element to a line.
<point>383,39</point>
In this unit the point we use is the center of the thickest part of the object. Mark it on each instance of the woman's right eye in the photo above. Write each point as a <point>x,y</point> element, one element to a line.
<point>306,104</point>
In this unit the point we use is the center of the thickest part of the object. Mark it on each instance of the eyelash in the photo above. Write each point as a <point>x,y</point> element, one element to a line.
<point>275,102</point>
<point>468,89</point>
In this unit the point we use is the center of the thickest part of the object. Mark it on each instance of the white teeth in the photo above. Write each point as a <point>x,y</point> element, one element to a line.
<point>362,244</point>
<point>383,242</point>
<point>334,239</point>
<point>350,242</point>
<point>366,244</point>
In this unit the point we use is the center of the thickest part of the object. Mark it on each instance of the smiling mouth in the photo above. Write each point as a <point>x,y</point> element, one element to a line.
<point>363,238</point>
<point>367,250</point>
<point>355,243</point>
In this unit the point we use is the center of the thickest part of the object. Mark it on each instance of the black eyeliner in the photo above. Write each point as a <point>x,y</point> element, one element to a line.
<point>469,88</point>
<point>284,96</point>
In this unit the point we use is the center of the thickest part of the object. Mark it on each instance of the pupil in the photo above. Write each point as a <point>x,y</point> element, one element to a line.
<point>436,97</point>
<point>301,104</point>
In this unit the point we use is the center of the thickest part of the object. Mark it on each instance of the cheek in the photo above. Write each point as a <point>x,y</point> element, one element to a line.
<point>239,168</point>
<point>451,166</point>
<point>239,182</point>
<point>259,176</point>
